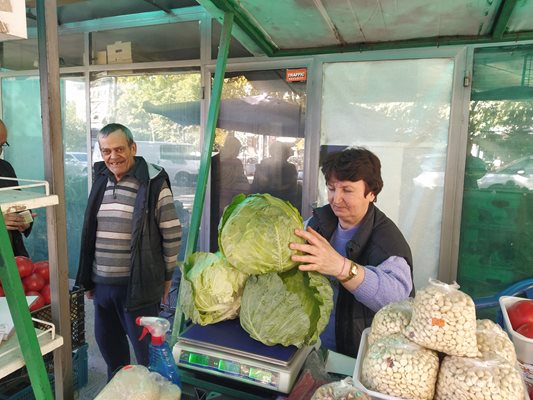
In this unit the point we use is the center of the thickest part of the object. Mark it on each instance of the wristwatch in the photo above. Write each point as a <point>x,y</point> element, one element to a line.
<point>353,270</point>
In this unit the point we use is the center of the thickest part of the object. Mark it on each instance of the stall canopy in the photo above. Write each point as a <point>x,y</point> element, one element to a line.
<point>262,115</point>
<point>292,27</point>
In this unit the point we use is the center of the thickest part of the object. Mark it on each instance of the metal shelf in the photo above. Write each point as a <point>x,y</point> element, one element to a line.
<point>11,358</point>
<point>20,197</point>
<point>24,347</point>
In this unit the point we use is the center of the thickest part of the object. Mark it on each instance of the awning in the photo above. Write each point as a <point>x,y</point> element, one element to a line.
<point>261,115</point>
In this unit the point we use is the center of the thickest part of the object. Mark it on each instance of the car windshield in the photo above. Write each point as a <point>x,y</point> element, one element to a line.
<point>80,156</point>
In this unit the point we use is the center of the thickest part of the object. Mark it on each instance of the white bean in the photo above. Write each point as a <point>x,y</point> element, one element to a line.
<point>485,380</point>
<point>444,319</point>
<point>397,367</point>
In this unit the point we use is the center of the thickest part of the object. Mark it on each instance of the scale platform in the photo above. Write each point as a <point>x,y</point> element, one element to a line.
<point>225,349</point>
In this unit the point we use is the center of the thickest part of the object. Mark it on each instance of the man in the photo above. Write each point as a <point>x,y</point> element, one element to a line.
<point>15,223</point>
<point>227,180</point>
<point>130,242</point>
<point>362,251</point>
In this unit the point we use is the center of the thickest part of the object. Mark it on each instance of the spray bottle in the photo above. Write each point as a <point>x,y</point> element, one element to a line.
<point>161,359</point>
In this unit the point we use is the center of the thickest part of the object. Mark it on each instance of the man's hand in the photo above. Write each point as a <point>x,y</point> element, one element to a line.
<point>168,284</point>
<point>89,294</point>
<point>15,222</point>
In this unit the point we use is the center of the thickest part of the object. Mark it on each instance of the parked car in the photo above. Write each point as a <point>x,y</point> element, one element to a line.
<point>75,162</point>
<point>179,160</point>
<point>515,175</point>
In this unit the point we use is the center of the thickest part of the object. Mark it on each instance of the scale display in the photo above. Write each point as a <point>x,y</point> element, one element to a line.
<point>234,368</point>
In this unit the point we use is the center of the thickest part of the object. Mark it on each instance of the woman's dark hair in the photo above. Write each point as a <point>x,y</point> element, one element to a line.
<point>110,128</point>
<point>353,164</point>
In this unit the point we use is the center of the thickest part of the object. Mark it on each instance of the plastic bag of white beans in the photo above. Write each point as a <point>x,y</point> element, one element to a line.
<point>395,366</point>
<point>444,319</point>
<point>392,318</point>
<point>462,378</point>
<point>493,342</point>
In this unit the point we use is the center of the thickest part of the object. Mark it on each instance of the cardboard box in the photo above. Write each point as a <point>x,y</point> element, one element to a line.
<point>13,20</point>
<point>119,53</point>
<point>101,57</point>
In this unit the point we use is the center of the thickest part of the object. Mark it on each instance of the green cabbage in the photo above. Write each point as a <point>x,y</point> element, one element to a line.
<point>289,308</point>
<point>255,232</point>
<point>211,288</point>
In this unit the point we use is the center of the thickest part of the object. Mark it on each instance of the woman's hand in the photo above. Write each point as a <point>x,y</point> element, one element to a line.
<point>318,254</point>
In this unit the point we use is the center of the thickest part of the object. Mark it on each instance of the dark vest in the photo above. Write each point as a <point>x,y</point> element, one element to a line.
<point>148,268</point>
<point>17,243</point>
<point>377,239</point>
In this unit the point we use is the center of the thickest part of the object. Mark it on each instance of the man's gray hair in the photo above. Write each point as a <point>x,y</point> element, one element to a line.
<point>110,128</point>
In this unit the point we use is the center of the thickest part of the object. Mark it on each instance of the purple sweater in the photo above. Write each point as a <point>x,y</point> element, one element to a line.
<point>385,283</point>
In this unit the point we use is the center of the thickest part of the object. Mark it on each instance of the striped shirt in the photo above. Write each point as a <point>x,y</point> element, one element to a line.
<point>114,228</point>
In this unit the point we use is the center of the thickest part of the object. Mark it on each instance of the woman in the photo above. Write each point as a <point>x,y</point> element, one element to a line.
<point>362,251</point>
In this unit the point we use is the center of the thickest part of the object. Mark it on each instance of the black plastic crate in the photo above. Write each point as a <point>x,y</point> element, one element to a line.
<point>77,317</point>
<point>16,386</point>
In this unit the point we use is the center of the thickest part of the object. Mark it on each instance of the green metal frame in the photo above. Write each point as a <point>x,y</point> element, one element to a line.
<point>20,313</point>
<point>205,161</point>
<point>260,39</point>
<point>242,21</point>
<point>500,25</point>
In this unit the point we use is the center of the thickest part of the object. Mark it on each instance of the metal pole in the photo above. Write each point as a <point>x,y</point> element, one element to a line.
<point>205,161</point>
<point>54,174</point>
<point>20,313</point>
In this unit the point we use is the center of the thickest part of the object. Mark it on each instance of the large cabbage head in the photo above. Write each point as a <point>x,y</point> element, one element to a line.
<point>290,308</point>
<point>211,288</point>
<point>255,231</point>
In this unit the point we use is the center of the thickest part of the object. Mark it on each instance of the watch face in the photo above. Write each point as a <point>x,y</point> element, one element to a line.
<point>353,269</point>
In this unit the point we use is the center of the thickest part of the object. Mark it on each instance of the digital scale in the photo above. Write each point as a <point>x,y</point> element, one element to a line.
<point>225,349</point>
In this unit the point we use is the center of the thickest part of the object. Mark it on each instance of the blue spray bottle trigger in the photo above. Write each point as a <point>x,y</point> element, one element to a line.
<point>160,355</point>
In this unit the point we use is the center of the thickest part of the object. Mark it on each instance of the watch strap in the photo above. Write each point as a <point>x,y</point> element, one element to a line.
<point>353,270</point>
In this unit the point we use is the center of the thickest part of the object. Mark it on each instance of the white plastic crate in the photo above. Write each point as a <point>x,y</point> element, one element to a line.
<point>359,365</point>
<point>522,344</point>
<point>363,346</point>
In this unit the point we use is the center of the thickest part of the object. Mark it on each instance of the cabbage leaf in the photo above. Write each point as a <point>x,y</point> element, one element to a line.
<point>289,308</point>
<point>255,232</point>
<point>211,288</point>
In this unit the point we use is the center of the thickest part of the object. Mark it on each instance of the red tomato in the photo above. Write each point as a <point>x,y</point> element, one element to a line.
<point>24,265</point>
<point>520,313</point>
<point>38,303</point>
<point>42,268</point>
<point>2,294</point>
<point>526,330</point>
<point>34,282</point>
<point>45,291</point>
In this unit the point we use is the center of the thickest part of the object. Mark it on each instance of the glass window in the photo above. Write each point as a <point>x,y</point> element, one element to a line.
<point>497,223</point>
<point>19,55</point>
<point>259,142</point>
<point>71,50</point>
<point>162,110</point>
<point>405,123</point>
<point>22,115</point>
<point>167,42</point>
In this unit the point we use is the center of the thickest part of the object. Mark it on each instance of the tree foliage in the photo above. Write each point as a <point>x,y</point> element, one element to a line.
<point>502,128</point>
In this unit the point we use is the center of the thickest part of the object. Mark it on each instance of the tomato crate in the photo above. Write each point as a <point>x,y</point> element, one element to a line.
<point>16,386</point>
<point>77,317</point>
